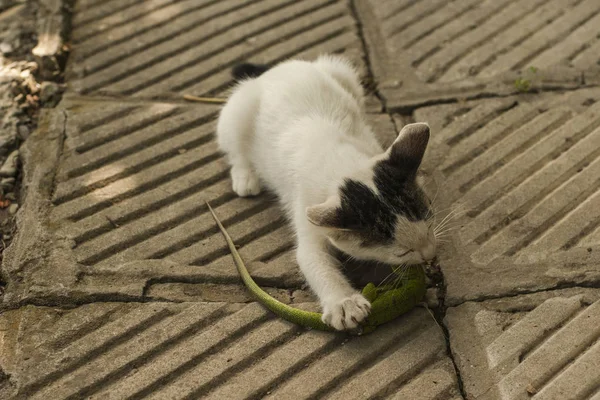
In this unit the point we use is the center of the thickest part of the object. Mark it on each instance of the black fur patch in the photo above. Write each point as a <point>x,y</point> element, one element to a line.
<point>248,70</point>
<point>399,189</point>
<point>374,216</point>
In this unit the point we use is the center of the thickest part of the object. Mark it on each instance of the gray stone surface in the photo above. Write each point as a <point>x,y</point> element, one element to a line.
<point>120,286</point>
<point>540,346</point>
<point>432,50</point>
<point>214,350</point>
<point>164,49</point>
<point>521,175</point>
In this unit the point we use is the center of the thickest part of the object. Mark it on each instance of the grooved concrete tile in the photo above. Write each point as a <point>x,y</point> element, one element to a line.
<point>164,48</point>
<point>433,49</point>
<point>132,185</point>
<point>128,200</point>
<point>542,346</point>
<point>522,176</point>
<point>215,350</point>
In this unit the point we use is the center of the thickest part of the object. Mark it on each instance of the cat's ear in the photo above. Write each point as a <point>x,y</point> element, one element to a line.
<point>409,147</point>
<point>325,215</point>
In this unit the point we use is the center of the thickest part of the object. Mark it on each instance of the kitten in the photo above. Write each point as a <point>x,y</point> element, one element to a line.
<point>299,129</point>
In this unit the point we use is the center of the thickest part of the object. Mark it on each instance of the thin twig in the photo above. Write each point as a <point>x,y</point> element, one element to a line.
<point>426,306</point>
<point>113,223</point>
<point>214,100</point>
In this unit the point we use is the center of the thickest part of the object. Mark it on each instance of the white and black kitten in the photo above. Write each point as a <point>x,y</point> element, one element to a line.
<point>299,129</point>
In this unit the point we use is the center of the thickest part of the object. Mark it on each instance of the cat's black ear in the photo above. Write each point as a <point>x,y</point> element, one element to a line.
<point>409,147</point>
<point>325,215</point>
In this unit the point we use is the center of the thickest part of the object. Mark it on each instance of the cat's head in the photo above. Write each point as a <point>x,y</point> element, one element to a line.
<point>383,214</point>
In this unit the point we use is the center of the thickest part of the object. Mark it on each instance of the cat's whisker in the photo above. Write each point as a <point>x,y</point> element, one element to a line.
<point>437,190</point>
<point>399,267</point>
<point>398,282</point>
<point>446,227</point>
<point>430,212</point>
<point>438,212</point>
<point>386,279</point>
<point>394,283</point>
<point>393,271</point>
<point>392,274</point>
<point>444,233</point>
<point>448,224</point>
<point>445,230</point>
<point>452,214</point>
<point>446,220</point>
<point>459,210</point>
<point>442,228</point>
<point>403,269</point>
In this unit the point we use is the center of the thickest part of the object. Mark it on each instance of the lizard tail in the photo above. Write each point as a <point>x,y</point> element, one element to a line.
<point>300,317</point>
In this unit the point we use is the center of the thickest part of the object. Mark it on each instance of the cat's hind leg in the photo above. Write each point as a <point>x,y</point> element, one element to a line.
<point>235,133</point>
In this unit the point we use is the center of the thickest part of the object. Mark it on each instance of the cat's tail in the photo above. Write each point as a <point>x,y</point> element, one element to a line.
<point>248,71</point>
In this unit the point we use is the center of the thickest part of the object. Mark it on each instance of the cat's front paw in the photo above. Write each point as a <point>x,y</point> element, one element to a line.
<point>245,182</point>
<point>346,313</point>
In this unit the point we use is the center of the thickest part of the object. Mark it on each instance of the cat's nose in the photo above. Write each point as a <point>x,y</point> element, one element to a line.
<point>428,252</point>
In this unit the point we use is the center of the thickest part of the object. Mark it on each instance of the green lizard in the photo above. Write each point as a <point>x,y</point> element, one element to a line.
<point>387,302</point>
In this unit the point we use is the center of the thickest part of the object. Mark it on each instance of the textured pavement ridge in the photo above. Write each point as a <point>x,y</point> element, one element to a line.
<point>541,346</point>
<point>434,50</point>
<point>216,350</point>
<point>161,48</point>
<point>523,174</point>
<point>121,287</point>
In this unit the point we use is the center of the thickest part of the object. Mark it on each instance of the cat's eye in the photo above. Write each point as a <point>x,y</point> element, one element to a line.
<point>405,253</point>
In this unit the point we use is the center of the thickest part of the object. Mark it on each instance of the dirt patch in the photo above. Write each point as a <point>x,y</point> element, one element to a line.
<point>22,95</point>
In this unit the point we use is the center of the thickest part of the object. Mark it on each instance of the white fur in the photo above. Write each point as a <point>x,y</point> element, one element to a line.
<point>300,127</point>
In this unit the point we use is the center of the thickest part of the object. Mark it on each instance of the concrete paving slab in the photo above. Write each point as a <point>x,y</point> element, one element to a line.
<point>214,350</point>
<point>539,346</point>
<point>165,48</point>
<point>521,175</point>
<point>434,50</point>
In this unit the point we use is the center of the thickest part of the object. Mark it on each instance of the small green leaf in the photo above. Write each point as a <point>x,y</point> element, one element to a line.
<point>522,85</point>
